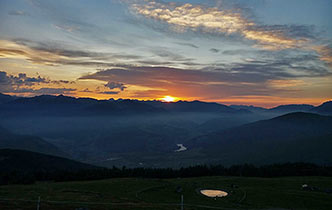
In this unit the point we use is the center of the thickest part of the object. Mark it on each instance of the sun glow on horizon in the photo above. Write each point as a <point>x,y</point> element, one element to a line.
<point>168,99</point>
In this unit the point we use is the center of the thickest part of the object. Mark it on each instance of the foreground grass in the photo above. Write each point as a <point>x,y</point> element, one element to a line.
<point>251,193</point>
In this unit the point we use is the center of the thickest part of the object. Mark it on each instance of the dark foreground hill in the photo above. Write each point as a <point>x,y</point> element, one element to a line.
<point>10,140</point>
<point>292,137</point>
<point>26,161</point>
<point>164,194</point>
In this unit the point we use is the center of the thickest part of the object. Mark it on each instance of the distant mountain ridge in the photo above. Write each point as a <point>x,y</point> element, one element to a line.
<point>65,105</point>
<point>6,98</point>
<point>283,109</point>
<point>292,108</point>
<point>325,108</point>
<point>195,106</point>
<point>250,108</point>
<point>50,104</point>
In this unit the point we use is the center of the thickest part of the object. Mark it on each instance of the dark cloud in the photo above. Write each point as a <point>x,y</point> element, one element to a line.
<point>250,71</point>
<point>109,92</point>
<point>115,85</point>
<point>214,50</point>
<point>56,48</point>
<point>47,91</point>
<point>239,52</point>
<point>86,90</point>
<point>187,44</point>
<point>20,79</point>
<point>185,81</point>
<point>62,82</point>
<point>53,53</point>
<point>171,56</point>
<point>19,84</point>
<point>250,77</point>
<point>293,62</point>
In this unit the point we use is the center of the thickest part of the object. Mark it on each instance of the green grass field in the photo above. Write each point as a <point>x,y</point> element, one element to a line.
<point>130,193</point>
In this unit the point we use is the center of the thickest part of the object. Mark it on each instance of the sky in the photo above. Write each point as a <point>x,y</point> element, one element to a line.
<point>251,52</point>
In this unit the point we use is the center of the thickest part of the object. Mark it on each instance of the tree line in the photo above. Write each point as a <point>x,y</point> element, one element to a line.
<point>246,170</point>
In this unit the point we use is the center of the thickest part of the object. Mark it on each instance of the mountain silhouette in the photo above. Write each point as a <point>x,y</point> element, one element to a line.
<point>325,108</point>
<point>70,106</point>
<point>195,106</point>
<point>292,108</point>
<point>255,109</point>
<point>6,98</point>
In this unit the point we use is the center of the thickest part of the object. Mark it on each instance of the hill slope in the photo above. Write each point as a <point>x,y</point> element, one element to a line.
<point>21,160</point>
<point>25,142</point>
<point>292,137</point>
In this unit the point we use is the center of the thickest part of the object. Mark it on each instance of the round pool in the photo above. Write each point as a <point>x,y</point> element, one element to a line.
<point>214,193</point>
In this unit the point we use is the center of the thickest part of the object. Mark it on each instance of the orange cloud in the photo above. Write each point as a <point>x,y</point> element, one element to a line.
<point>285,84</point>
<point>11,49</point>
<point>325,53</point>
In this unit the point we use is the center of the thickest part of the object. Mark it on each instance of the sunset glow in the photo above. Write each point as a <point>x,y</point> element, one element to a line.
<point>213,51</point>
<point>168,99</point>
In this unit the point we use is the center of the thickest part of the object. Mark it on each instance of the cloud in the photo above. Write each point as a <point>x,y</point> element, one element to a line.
<point>46,91</point>
<point>115,85</point>
<point>230,23</point>
<point>241,52</point>
<point>86,90</point>
<point>21,79</point>
<point>325,53</point>
<point>25,84</point>
<point>164,53</point>
<point>283,66</point>
<point>18,13</point>
<point>55,54</point>
<point>109,92</point>
<point>154,82</point>
<point>214,20</point>
<point>264,77</point>
<point>214,50</point>
<point>187,44</point>
<point>66,28</point>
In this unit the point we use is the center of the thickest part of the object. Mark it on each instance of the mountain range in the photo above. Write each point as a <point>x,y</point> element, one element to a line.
<point>70,106</point>
<point>148,133</point>
<point>65,105</point>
